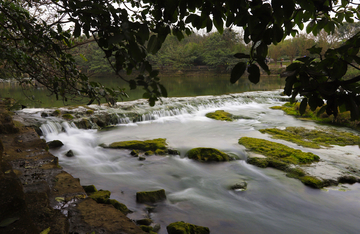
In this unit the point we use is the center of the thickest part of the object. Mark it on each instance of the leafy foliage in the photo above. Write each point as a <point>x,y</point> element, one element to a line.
<point>128,31</point>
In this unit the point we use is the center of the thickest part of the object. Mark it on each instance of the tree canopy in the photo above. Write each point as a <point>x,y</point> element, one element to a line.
<point>37,35</point>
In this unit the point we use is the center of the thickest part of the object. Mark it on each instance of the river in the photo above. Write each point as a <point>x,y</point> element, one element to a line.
<point>199,193</point>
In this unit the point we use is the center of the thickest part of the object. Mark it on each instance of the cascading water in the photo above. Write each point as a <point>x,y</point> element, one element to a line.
<point>200,193</point>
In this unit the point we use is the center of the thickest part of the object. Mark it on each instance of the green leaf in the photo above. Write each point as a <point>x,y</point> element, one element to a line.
<point>254,73</point>
<point>83,57</point>
<point>237,71</point>
<point>8,221</point>
<point>278,33</point>
<point>219,23</point>
<point>77,30</point>
<point>303,106</point>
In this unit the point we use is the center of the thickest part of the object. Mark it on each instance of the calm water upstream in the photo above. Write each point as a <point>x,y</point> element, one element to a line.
<point>199,193</point>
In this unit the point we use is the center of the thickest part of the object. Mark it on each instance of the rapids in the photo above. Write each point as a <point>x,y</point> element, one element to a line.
<point>199,193</point>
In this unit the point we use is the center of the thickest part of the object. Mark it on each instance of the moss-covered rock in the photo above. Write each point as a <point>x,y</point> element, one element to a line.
<point>160,152</point>
<point>120,206</point>
<point>134,153</point>
<point>55,144</point>
<point>239,186</point>
<point>56,113</point>
<point>313,138</point>
<point>295,173</point>
<point>68,116</point>
<point>84,123</point>
<point>70,153</point>
<point>312,182</point>
<point>89,112</point>
<point>145,228</point>
<point>186,228</point>
<point>149,153</point>
<point>207,155</point>
<point>220,115</point>
<point>150,196</point>
<point>259,162</point>
<point>153,145</point>
<point>90,189</point>
<point>101,196</point>
<point>146,222</point>
<point>278,151</point>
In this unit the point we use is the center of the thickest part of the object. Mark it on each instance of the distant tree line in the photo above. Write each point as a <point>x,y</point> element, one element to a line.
<point>215,50</point>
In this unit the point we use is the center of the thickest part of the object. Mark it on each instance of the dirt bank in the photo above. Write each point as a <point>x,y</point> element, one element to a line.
<point>36,195</point>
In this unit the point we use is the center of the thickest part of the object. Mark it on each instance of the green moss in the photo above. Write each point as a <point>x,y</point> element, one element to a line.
<point>151,196</point>
<point>343,118</point>
<point>134,153</point>
<point>312,182</point>
<point>90,189</point>
<point>160,152</point>
<point>313,138</point>
<point>101,196</point>
<point>68,116</point>
<point>123,208</point>
<point>220,115</point>
<point>278,151</point>
<point>186,228</point>
<point>145,228</point>
<point>295,173</point>
<point>56,113</point>
<point>89,112</point>
<point>153,145</point>
<point>277,164</point>
<point>259,162</point>
<point>149,153</point>
<point>207,155</point>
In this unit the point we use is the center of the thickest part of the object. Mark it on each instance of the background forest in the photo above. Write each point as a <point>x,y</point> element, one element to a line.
<point>215,51</point>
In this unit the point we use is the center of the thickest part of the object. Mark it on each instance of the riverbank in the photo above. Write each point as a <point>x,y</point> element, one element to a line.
<point>38,196</point>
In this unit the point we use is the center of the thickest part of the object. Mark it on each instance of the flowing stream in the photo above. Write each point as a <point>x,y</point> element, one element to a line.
<point>199,193</point>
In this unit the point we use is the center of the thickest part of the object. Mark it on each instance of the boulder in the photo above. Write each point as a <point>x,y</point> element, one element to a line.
<point>55,144</point>
<point>70,153</point>
<point>207,155</point>
<point>186,228</point>
<point>150,196</point>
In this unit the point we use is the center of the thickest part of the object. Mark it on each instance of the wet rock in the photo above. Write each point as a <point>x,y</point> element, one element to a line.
<point>186,228</point>
<point>90,189</point>
<point>150,196</point>
<point>119,206</point>
<point>55,144</point>
<point>239,186</point>
<point>70,153</point>
<point>149,153</point>
<point>142,158</point>
<point>312,182</point>
<point>84,123</point>
<point>220,115</point>
<point>173,152</point>
<point>147,229</point>
<point>152,145</point>
<point>44,114</point>
<point>348,179</point>
<point>134,153</point>
<point>144,222</point>
<point>208,155</point>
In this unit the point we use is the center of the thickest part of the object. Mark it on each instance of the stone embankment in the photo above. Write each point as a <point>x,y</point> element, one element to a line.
<point>37,196</point>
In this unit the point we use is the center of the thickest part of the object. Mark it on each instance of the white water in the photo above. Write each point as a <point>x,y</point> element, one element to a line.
<point>198,193</point>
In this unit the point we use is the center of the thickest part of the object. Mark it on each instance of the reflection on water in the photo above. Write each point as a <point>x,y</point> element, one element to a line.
<point>181,86</point>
